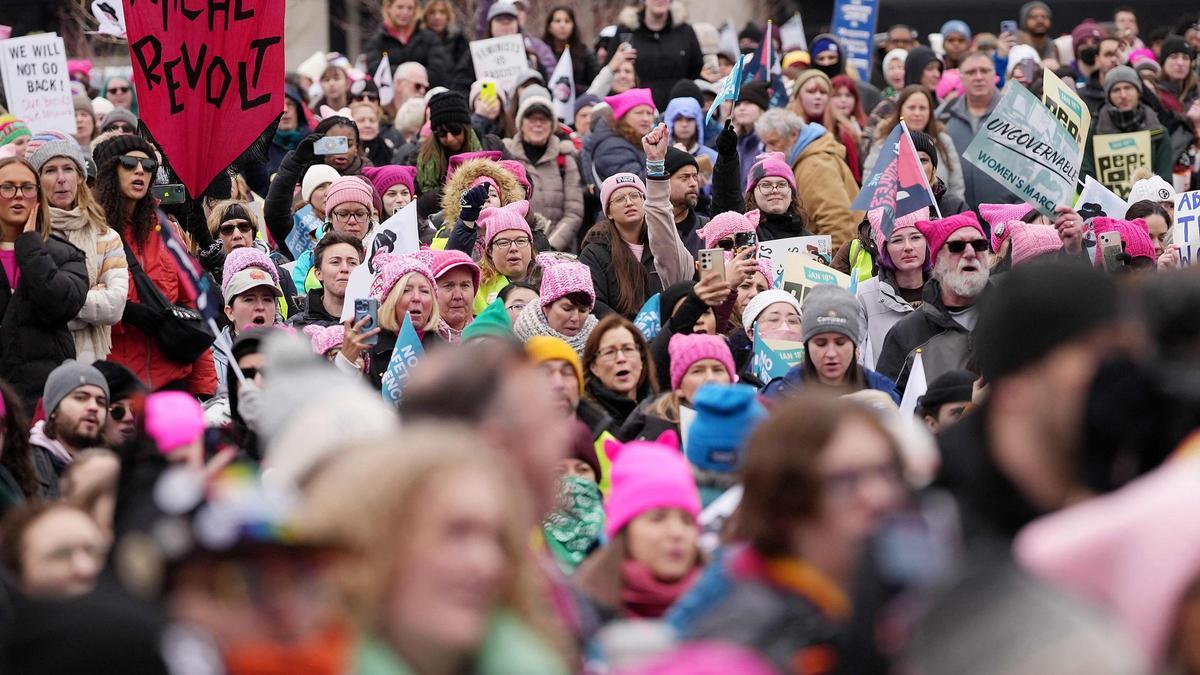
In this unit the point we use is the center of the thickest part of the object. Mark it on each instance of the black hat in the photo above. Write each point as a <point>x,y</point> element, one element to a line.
<point>583,448</point>
<point>1174,44</point>
<point>449,107</point>
<point>118,145</point>
<point>952,386</point>
<point>755,92</point>
<point>751,32</point>
<point>677,159</point>
<point>221,186</point>
<point>122,383</point>
<point>1038,308</point>
<point>923,142</point>
<point>687,89</point>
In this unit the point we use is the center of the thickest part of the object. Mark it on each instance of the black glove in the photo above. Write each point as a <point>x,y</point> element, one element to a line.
<point>141,317</point>
<point>472,202</point>
<point>304,152</point>
<point>727,140</point>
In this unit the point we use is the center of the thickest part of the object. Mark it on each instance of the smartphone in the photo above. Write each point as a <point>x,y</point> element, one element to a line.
<point>712,259</point>
<point>331,145</point>
<point>367,308</point>
<point>1009,26</point>
<point>744,240</point>
<point>172,193</point>
<point>487,92</point>
<point>1110,248</point>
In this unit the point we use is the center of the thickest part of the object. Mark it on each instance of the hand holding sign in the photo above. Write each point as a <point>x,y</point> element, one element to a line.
<point>1070,228</point>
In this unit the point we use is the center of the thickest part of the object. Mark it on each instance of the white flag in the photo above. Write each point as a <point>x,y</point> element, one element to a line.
<point>1107,201</point>
<point>915,389</point>
<point>791,34</point>
<point>111,15</point>
<point>397,234</point>
<point>562,88</point>
<point>383,81</point>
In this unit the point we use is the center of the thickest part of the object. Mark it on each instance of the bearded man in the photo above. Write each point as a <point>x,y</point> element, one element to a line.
<point>76,403</point>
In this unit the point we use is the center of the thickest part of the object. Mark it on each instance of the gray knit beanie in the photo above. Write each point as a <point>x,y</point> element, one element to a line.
<point>1121,74</point>
<point>65,379</point>
<point>66,147</point>
<point>831,309</point>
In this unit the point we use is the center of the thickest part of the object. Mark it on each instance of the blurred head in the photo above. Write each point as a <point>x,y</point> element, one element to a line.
<point>334,83</point>
<point>399,14</point>
<point>411,81</point>
<point>366,115</point>
<point>119,92</point>
<point>54,549</point>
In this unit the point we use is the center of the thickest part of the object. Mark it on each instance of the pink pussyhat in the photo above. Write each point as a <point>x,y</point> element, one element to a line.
<point>647,475</point>
<point>724,225</point>
<point>174,419</point>
<point>767,165</point>
<point>628,100</point>
<point>686,349</point>
<point>1135,236</point>
<point>508,217</point>
<point>938,231</point>
<point>1029,240</point>
<point>325,338</point>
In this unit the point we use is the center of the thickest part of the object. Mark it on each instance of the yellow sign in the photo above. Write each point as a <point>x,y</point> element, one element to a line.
<point>1066,107</point>
<point>1118,156</point>
<point>802,272</point>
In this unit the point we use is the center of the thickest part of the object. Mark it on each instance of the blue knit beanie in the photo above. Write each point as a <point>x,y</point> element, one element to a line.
<point>726,414</point>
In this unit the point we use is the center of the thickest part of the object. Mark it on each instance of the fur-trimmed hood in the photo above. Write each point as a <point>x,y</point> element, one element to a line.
<point>510,190</point>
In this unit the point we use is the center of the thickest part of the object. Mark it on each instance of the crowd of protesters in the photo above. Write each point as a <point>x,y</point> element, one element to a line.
<point>982,460</point>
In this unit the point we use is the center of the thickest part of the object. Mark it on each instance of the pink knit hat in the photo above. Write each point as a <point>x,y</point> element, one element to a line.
<point>173,419</point>
<point>724,225</point>
<point>242,258</point>
<point>564,278</point>
<point>1029,240</point>
<point>628,100</point>
<point>1003,213</point>
<point>1135,235</point>
<point>616,182</point>
<point>1135,551</point>
<point>938,231</point>
<point>392,268</point>
<point>325,338</point>
<point>384,177</point>
<point>507,217</point>
<point>349,190</point>
<point>444,261</point>
<point>463,157</point>
<point>647,475</point>
<point>690,348</point>
<point>517,169</point>
<point>767,165</point>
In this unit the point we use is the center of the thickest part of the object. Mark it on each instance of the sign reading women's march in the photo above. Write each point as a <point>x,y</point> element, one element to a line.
<point>1066,107</point>
<point>209,78</point>
<point>1027,151</point>
<point>500,58</point>
<point>1118,156</point>
<point>34,69</point>
<point>1186,232</point>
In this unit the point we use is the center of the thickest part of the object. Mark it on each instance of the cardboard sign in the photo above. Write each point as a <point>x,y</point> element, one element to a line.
<point>1066,107</point>
<point>819,246</point>
<point>1118,156</point>
<point>775,357</point>
<point>209,79</point>
<point>854,25</point>
<point>1186,232</point>
<point>1027,151</point>
<point>34,69</point>
<point>802,273</point>
<point>500,58</point>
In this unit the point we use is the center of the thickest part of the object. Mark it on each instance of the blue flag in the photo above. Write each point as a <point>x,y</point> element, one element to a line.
<point>897,186</point>
<point>775,358</point>
<point>730,92</point>
<point>407,353</point>
<point>649,320</point>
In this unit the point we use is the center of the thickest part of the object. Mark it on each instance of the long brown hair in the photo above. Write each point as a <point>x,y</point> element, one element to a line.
<point>16,456</point>
<point>934,128</point>
<point>591,350</point>
<point>633,281</point>
<point>43,214</point>
<point>626,131</point>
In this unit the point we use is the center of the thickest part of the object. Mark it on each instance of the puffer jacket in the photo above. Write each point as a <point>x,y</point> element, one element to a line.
<point>422,46</point>
<point>978,187</point>
<point>607,153</point>
<point>793,382</point>
<point>34,338</point>
<point>825,184</point>
<point>945,344</point>
<point>666,56</point>
<point>884,308</point>
<point>557,190</point>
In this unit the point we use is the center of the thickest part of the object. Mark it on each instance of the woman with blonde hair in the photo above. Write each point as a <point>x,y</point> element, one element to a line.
<point>439,18</point>
<point>77,217</point>
<point>403,285</point>
<point>459,591</point>
<point>812,100</point>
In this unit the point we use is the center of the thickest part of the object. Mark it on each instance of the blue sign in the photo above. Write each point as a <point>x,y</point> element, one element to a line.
<point>648,319</point>
<point>854,26</point>
<point>774,358</point>
<point>408,353</point>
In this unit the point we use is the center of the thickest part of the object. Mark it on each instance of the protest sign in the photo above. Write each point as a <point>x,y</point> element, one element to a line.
<point>819,246</point>
<point>209,79</point>
<point>915,389</point>
<point>405,356</point>
<point>1118,156</point>
<point>34,69</point>
<point>1027,151</point>
<point>500,58</point>
<point>687,416</point>
<point>1097,200</point>
<point>1066,107</point>
<point>397,234</point>
<point>729,91</point>
<point>774,357</point>
<point>1186,232</point>
<point>854,26</point>
<point>802,272</point>
<point>562,88</point>
<point>897,186</point>
<point>110,14</point>
<point>648,320</point>
<point>791,34</point>
<point>384,81</point>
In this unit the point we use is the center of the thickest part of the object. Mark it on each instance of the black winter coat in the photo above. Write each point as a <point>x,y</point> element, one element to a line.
<point>597,255</point>
<point>314,313</point>
<point>665,57</point>
<point>34,338</point>
<point>423,47</point>
<point>945,343</point>
<point>457,51</point>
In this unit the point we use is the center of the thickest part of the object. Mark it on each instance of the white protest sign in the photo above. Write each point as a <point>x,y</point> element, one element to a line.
<point>34,69</point>
<point>359,286</point>
<point>1097,200</point>
<point>111,16</point>
<point>500,58</point>
<point>397,234</point>
<point>819,245</point>
<point>1186,232</point>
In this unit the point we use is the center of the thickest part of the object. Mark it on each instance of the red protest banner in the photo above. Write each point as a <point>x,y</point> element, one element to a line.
<point>209,78</point>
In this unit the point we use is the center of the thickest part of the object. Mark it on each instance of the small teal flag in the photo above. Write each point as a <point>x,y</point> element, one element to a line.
<point>730,92</point>
<point>649,320</point>
<point>407,353</point>
<point>774,358</point>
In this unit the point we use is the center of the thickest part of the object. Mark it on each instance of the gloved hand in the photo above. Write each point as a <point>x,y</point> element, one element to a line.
<point>472,202</point>
<point>304,151</point>
<point>727,140</point>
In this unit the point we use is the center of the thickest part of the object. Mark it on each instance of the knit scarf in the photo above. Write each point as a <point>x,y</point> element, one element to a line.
<point>532,321</point>
<point>74,226</point>
<point>573,527</point>
<point>431,174</point>
<point>449,334</point>
<point>646,597</point>
<point>289,139</point>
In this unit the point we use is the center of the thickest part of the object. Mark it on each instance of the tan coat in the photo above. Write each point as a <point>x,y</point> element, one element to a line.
<point>557,191</point>
<point>827,189</point>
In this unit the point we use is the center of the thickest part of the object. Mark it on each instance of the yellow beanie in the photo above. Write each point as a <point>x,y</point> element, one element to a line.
<point>543,348</point>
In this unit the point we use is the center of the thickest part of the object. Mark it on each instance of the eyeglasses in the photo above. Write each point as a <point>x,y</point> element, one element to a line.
<point>956,247</point>
<point>9,190</point>
<point>119,411</point>
<point>118,90</point>
<point>631,198</point>
<point>347,216</point>
<point>630,351</point>
<point>519,242</point>
<point>767,188</point>
<point>227,228</point>
<point>845,483</point>
<point>449,130</point>
<point>130,162</point>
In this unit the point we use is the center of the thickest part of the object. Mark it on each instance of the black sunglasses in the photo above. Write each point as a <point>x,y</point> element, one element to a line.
<point>118,90</point>
<point>448,130</point>
<point>243,227</point>
<point>249,373</point>
<point>122,127</point>
<point>957,247</point>
<point>120,411</point>
<point>130,162</point>
<point>365,96</point>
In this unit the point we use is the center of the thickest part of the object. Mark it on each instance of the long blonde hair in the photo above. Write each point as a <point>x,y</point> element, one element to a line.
<point>387,309</point>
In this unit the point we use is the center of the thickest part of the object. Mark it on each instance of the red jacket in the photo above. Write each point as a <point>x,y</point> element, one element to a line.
<point>139,352</point>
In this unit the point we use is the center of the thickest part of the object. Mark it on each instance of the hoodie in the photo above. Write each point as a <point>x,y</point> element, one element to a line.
<point>915,62</point>
<point>687,107</point>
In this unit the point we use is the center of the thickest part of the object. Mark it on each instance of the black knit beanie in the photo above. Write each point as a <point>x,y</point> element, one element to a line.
<point>122,383</point>
<point>120,145</point>
<point>687,89</point>
<point>449,107</point>
<point>923,142</point>
<point>677,159</point>
<point>1174,44</point>
<point>755,91</point>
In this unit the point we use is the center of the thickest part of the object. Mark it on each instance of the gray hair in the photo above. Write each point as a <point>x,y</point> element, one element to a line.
<point>779,122</point>
<point>408,71</point>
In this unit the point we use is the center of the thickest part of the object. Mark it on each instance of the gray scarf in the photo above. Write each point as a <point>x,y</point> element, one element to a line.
<point>532,321</point>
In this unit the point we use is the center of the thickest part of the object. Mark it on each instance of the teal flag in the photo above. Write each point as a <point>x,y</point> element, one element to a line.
<point>774,358</point>
<point>649,320</point>
<point>407,353</point>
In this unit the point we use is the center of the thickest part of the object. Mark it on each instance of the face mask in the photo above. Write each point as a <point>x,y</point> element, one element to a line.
<point>1088,55</point>
<point>831,70</point>
<point>250,405</point>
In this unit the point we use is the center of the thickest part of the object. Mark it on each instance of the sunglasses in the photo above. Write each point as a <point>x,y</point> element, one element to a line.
<point>243,227</point>
<point>119,411</point>
<point>119,90</point>
<point>366,97</point>
<point>249,373</point>
<point>957,247</point>
<point>122,127</point>
<point>448,130</point>
<point>130,162</point>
